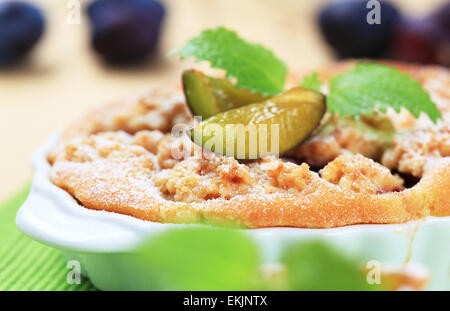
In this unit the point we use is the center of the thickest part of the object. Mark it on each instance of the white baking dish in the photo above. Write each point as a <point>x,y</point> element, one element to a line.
<point>52,216</point>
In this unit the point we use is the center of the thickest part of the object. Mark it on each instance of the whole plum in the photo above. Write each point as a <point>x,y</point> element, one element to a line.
<point>424,40</point>
<point>125,31</point>
<point>21,27</point>
<point>345,27</point>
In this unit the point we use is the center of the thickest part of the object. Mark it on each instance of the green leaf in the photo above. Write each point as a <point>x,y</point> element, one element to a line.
<point>311,82</point>
<point>196,259</point>
<point>254,66</point>
<point>315,265</point>
<point>369,87</point>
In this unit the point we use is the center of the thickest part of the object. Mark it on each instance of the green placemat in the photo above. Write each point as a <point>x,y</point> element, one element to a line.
<point>26,264</point>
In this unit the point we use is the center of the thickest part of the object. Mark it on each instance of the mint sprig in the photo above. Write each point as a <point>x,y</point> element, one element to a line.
<point>212,258</point>
<point>195,258</point>
<point>311,82</point>
<point>316,265</point>
<point>370,86</point>
<point>254,66</point>
<point>362,90</point>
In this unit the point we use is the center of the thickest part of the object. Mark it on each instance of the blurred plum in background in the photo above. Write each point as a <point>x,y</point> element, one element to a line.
<point>442,17</point>
<point>344,26</point>
<point>125,31</point>
<point>21,27</point>
<point>424,40</point>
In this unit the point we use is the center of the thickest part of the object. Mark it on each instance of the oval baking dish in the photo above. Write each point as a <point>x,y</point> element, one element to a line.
<point>52,216</point>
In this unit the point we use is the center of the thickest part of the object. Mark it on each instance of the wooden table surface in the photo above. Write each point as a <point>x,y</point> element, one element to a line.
<point>64,79</point>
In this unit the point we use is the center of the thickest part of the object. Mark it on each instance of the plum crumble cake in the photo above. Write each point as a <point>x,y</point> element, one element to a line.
<point>123,158</point>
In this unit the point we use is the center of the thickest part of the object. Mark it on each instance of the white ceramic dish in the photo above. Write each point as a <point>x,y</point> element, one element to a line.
<point>52,216</point>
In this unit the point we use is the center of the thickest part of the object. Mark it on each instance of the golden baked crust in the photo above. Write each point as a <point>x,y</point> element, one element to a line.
<point>123,159</point>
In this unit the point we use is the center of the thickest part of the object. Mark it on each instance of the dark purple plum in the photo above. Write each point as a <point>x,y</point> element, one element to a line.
<point>425,40</point>
<point>125,31</point>
<point>442,17</point>
<point>344,26</point>
<point>21,26</point>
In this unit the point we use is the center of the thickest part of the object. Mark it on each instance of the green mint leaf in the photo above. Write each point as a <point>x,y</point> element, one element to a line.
<point>316,265</point>
<point>370,86</point>
<point>254,66</point>
<point>201,258</point>
<point>311,82</point>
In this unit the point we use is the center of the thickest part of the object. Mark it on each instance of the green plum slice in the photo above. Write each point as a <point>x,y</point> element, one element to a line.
<point>207,96</point>
<point>272,126</point>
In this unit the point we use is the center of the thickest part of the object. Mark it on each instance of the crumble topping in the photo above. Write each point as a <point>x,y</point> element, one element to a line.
<point>358,138</point>
<point>197,178</point>
<point>413,150</point>
<point>288,175</point>
<point>361,175</point>
<point>340,137</point>
<point>159,109</point>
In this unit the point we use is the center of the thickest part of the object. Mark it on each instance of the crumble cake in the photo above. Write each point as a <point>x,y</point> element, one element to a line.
<point>123,158</point>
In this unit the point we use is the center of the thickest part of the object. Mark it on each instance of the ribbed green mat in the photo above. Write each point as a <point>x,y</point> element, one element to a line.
<point>26,264</point>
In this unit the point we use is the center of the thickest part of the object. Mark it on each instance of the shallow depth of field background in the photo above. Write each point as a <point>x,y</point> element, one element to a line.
<point>64,78</point>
